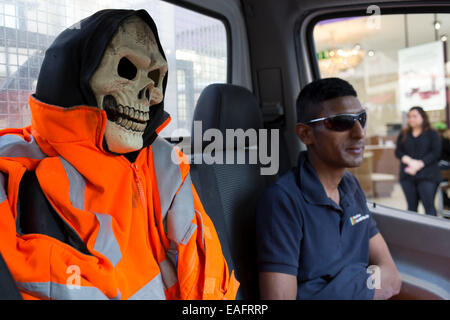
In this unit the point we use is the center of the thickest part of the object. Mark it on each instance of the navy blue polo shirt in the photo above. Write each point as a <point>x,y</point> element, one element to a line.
<point>302,232</point>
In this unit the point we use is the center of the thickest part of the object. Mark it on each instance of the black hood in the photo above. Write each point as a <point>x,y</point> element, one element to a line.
<point>74,56</point>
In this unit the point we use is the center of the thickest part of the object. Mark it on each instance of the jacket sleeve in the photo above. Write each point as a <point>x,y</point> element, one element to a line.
<point>22,255</point>
<point>194,249</point>
<point>435,148</point>
<point>27,259</point>
<point>8,289</point>
<point>217,281</point>
<point>201,267</point>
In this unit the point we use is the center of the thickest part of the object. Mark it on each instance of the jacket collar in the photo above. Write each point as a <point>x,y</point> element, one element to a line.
<point>53,125</point>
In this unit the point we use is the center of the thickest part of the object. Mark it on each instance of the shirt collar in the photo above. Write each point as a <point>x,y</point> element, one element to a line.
<point>313,190</point>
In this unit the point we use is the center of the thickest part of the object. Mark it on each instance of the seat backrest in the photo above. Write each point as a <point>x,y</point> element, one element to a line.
<point>229,191</point>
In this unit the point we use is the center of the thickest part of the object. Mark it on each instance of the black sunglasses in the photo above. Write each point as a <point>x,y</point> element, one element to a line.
<point>342,122</point>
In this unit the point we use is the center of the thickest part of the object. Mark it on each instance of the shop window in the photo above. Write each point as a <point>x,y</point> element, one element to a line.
<point>394,64</point>
<point>193,42</point>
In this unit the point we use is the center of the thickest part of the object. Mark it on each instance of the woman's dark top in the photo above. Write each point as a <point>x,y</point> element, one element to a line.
<point>425,147</point>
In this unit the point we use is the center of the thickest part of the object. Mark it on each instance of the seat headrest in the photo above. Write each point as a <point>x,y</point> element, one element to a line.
<point>227,106</point>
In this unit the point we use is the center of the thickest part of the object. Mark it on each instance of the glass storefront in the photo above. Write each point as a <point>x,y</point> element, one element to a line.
<point>394,62</point>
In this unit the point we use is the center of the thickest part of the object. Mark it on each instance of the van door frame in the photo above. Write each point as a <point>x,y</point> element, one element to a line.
<point>422,256</point>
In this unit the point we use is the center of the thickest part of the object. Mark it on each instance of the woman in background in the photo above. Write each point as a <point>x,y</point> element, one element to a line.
<point>419,149</point>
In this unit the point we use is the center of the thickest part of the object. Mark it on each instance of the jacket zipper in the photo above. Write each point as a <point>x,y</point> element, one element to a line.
<point>139,185</point>
<point>140,188</point>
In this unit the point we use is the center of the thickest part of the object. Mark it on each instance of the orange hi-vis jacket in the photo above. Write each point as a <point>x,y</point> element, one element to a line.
<point>145,232</point>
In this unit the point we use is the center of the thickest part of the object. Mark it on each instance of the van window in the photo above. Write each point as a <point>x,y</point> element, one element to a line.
<point>195,45</point>
<point>394,62</point>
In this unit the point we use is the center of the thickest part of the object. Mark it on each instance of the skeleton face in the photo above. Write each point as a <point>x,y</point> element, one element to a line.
<point>128,82</point>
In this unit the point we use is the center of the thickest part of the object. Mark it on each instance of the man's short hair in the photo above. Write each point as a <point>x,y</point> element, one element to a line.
<point>312,95</point>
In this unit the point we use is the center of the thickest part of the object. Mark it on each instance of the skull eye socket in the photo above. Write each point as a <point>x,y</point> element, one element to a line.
<point>154,75</point>
<point>126,69</point>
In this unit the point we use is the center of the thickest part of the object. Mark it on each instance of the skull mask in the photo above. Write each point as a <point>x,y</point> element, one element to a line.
<point>128,82</point>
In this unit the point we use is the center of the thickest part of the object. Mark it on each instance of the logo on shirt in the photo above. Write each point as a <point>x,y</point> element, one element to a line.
<point>358,218</point>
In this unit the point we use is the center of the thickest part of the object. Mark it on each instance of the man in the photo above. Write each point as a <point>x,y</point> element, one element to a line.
<point>316,235</point>
<point>92,205</point>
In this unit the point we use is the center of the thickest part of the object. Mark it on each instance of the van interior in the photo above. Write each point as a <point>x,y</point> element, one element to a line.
<point>240,64</point>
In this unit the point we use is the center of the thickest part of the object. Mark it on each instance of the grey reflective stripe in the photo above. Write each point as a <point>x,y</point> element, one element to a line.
<point>172,253</point>
<point>168,174</point>
<point>77,185</point>
<point>106,243</point>
<point>179,217</point>
<point>154,290</point>
<point>177,209</point>
<point>168,272</point>
<point>13,146</point>
<point>3,196</point>
<point>57,291</point>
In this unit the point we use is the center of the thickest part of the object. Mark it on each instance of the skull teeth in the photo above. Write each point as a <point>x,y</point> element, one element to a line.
<point>125,116</point>
<point>131,125</point>
<point>134,114</point>
<point>132,119</point>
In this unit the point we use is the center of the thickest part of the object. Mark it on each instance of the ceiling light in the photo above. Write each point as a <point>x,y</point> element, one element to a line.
<point>437,25</point>
<point>332,62</point>
<point>371,53</point>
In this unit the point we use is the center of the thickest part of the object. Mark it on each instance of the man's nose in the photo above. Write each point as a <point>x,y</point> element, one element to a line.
<point>358,131</point>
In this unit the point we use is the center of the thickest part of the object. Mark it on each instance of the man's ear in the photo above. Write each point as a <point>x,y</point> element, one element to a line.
<point>305,133</point>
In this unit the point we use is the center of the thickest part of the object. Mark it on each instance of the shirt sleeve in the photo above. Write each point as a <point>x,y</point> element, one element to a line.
<point>278,232</point>
<point>373,229</point>
<point>435,148</point>
<point>399,150</point>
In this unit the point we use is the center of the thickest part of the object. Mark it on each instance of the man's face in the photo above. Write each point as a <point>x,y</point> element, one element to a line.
<point>338,149</point>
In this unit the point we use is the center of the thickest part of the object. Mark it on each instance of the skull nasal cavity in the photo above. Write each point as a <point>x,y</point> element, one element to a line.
<point>144,91</point>
<point>126,69</point>
<point>154,75</point>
